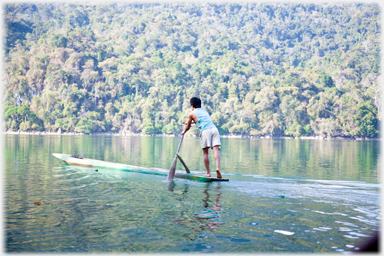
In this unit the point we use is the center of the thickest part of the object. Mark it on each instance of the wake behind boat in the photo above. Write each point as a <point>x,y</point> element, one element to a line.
<point>73,160</point>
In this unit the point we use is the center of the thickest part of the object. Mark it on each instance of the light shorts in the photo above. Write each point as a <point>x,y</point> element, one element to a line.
<point>210,138</point>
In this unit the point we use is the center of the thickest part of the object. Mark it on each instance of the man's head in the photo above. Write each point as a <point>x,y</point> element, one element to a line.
<point>195,102</point>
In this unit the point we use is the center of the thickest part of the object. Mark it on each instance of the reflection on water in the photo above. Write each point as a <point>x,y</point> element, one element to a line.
<point>320,159</point>
<point>211,213</point>
<point>274,201</point>
<point>208,219</point>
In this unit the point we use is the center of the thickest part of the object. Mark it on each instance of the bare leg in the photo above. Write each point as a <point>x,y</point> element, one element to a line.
<point>216,155</point>
<point>206,162</point>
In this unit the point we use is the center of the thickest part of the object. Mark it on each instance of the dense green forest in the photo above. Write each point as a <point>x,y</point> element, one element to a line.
<point>260,69</point>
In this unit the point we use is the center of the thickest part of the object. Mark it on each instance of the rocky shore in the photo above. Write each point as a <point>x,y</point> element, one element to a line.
<point>124,133</point>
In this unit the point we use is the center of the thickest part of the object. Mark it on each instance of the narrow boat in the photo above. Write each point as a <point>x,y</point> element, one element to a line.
<point>73,160</point>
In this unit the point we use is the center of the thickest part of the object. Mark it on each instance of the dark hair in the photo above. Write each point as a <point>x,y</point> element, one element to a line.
<point>195,102</point>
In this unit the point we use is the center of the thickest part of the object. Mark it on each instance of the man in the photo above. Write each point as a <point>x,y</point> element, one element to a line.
<point>210,137</point>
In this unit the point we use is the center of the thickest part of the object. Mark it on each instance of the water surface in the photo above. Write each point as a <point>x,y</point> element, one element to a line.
<point>283,196</point>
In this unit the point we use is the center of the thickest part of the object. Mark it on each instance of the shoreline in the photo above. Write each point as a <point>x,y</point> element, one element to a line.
<point>130,134</point>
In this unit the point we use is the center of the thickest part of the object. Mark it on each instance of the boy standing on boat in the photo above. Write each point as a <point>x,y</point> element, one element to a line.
<point>210,137</point>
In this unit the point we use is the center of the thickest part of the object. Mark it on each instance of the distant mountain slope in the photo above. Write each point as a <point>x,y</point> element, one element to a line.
<point>280,69</point>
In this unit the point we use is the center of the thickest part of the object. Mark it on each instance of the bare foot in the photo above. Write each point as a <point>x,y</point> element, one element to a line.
<point>219,174</point>
<point>207,175</point>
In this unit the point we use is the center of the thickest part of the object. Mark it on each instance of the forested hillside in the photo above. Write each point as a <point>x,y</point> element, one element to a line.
<point>260,69</point>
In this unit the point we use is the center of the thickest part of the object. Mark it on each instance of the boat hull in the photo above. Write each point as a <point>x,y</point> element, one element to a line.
<point>86,162</point>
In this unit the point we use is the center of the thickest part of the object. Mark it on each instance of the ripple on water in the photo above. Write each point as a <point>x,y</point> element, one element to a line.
<point>284,232</point>
<point>322,228</point>
<point>367,213</point>
<point>366,221</point>
<point>351,237</point>
<point>331,213</point>
<point>344,229</point>
<point>359,234</point>
<point>347,223</point>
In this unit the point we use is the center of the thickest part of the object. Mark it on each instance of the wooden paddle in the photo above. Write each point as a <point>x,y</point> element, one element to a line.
<point>172,170</point>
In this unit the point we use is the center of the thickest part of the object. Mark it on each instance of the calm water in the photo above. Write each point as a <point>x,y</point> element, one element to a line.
<point>283,196</point>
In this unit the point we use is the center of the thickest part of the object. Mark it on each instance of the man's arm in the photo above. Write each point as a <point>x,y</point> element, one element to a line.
<point>191,118</point>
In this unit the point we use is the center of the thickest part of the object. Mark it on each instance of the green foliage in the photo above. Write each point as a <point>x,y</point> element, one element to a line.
<point>22,118</point>
<point>84,125</point>
<point>278,69</point>
<point>326,80</point>
<point>172,127</point>
<point>59,41</point>
<point>368,120</point>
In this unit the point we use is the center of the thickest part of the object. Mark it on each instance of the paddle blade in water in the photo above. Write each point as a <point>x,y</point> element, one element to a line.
<point>172,170</point>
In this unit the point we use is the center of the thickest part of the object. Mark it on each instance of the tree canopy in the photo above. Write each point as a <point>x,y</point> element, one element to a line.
<point>260,69</point>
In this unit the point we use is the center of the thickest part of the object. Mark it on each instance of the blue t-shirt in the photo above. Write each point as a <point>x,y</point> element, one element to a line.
<point>205,121</point>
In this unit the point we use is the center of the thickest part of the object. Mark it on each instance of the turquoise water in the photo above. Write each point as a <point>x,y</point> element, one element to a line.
<point>283,196</point>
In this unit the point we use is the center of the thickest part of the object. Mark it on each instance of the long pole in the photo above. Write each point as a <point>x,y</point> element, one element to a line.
<point>172,170</point>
